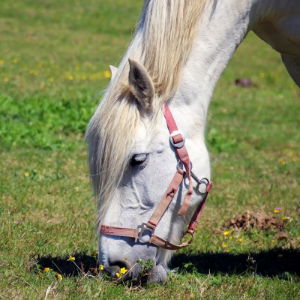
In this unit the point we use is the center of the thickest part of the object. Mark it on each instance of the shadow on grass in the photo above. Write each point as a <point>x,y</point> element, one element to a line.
<point>83,263</point>
<point>275,262</point>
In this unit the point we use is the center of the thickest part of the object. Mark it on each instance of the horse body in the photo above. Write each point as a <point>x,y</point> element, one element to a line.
<point>280,28</point>
<point>131,118</point>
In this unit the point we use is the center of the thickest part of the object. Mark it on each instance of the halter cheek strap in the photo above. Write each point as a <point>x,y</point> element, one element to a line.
<point>178,142</point>
<point>184,170</point>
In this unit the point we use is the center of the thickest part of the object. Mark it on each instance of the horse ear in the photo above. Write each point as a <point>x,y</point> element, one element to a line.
<point>141,84</point>
<point>113,71</point>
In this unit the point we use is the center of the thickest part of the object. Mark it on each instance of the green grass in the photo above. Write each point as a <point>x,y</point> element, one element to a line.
<point>53,58</point>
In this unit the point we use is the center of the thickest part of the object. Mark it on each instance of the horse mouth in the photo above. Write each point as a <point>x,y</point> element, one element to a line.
<point>139,275</point>
<point>158,274</point>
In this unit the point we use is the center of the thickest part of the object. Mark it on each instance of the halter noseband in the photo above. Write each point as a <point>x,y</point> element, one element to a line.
<point>184,170</point>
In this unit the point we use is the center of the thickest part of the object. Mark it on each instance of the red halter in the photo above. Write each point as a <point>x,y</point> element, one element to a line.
<point>203,188</point>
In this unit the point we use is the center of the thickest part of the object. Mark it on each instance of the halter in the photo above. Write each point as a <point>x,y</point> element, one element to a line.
<point>184,171</point>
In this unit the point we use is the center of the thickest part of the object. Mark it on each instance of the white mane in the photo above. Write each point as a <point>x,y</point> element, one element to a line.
<point>166,34</point>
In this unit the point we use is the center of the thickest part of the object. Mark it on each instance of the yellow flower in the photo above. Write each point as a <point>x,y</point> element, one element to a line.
<point>26,174</point>
<point>240,240</point>
<point>123,270</point>
<point>58,276</point>
<point>1,62</point>
<point>118,275</point>
<point>101,267</point>
<point>33,72</point>
<point>70,77</point>
<point>107,74</point>
<point>224,245</point>
<point>95,76</point>
<point>71,258</point>
<point>226,233</point>
<point>276,211</point>
<point>46,270</point>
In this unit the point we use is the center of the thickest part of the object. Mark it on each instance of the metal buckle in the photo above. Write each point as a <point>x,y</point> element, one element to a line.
<point>144,228</point>
<point>179,144</point>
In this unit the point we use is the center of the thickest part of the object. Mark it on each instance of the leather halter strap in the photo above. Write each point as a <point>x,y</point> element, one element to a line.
<point>178,142</point>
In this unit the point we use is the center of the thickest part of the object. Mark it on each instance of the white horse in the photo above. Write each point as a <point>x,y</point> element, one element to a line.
<point>177,55</point>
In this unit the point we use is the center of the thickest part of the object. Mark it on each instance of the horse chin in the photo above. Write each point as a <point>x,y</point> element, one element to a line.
<point>158,274</point>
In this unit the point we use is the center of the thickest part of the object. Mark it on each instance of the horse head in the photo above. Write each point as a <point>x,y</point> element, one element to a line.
<point>141,167</point>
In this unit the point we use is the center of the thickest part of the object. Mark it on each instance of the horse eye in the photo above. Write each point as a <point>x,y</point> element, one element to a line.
<point>138,159</point>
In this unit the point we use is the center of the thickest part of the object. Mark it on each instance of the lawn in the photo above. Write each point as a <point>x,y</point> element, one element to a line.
<point>54,58</point>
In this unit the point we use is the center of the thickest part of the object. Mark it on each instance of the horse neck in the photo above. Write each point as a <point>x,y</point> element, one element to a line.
<point>222,28</point>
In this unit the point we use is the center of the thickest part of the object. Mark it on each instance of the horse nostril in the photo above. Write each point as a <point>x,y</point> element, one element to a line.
<point>121,264</point>
<point>112,270</point>
<point>116,266</point>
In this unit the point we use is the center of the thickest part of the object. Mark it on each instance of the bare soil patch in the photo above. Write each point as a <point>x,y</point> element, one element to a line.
<point>254,220</point>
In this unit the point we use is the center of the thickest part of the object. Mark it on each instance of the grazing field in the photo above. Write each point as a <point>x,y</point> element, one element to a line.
<point>54,58</point>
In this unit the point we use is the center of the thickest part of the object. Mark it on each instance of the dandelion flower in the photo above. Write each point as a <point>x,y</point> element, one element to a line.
<point>46,270</point>
<point>1,62</point>
<point>71,258</point>
<point>282,161</point>
<point>118,275</point>
<point>95,76</point>
<point>226,233</point>
<point>26,174</point>
<point>107,74</point>
<point>224,245</point>
<point>58,276</point>
<point>262,75</point>
<point>70,77</point>
<point>277,210</point>
<point>101,267</point>
<point>123,270</point>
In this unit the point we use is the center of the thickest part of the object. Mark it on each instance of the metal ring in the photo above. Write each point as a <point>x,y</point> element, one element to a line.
<point>201,182</point>
<point>179,144</point>
<point>144,228</point>
<point>180,166</point>
<point>201,188</point>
